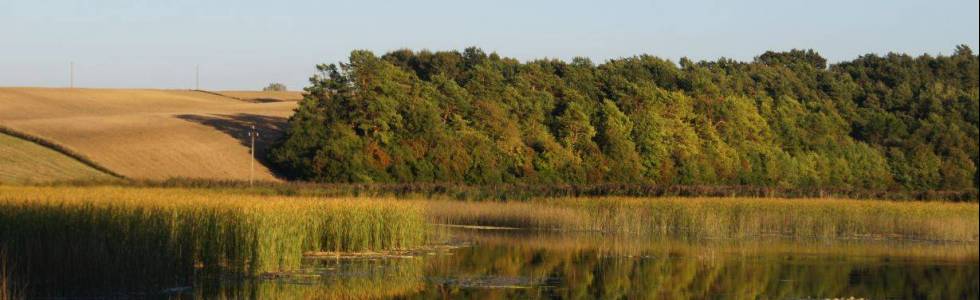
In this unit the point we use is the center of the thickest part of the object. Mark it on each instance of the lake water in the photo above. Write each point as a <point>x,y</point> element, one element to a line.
<point>507,264</point>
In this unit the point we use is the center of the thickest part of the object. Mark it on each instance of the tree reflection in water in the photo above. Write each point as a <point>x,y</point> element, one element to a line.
<point>507,264</point>
<point>515,264</point>
<point>583,266</point>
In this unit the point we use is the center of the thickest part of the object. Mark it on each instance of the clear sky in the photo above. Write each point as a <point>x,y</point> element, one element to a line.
<point>244,44</point>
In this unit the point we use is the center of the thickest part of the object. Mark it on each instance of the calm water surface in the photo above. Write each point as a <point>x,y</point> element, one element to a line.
<point>532,265</point>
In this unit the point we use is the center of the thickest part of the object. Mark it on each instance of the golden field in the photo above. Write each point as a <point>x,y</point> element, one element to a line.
<point>148,134</point>
<point>263,96</point>
<point>25,162</point>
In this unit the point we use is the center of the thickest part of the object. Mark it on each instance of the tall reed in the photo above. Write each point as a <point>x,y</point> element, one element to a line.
<point>528,191</point>
<point>629,246</point>
<point>700,218</point>
<point>81,240</point>
<point>8,290</point>
<point>142,238</point>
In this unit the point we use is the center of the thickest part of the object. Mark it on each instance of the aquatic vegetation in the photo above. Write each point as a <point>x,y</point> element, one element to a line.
<point>84,241</point>
<point>631,246</point>
<point>702,218</point>
<point>145,238</point>
<point>8,288</point>
<point>511,192</point>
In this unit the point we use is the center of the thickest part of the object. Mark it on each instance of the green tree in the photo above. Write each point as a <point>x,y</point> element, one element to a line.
<point>784,119</point>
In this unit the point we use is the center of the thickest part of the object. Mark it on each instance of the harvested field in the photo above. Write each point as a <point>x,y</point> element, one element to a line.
<point>25,162</point>
<point>148,134</point>
<point>263,96</point>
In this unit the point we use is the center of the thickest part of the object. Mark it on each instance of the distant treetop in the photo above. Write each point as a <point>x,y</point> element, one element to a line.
<point>275,87</point>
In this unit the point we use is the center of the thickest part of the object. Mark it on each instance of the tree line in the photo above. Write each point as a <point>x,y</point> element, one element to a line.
<point>783,120</point>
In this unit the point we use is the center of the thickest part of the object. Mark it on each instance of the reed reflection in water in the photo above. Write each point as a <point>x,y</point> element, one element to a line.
<point>533,265</point>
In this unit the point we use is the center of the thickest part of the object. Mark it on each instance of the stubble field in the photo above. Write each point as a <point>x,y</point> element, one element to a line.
<point>150,134</point>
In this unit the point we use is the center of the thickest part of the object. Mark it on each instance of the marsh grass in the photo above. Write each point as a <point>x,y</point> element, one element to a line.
<point>81,241</point>
<point>148,238</point>
<point>8,289</point>
<point>724,218</point>
<point>523,192</point>
<point>628,246</point>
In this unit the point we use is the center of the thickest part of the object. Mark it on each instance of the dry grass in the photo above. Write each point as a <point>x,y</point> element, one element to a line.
<point>725,218</point>
<point>25,162</point>
<point>147,134</point>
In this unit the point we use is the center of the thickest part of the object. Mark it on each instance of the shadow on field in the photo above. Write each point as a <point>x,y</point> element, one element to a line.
<point>237,126</point>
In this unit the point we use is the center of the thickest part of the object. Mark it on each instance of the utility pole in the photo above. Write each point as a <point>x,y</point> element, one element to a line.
<point>71,75</point>
<point>251,171</point>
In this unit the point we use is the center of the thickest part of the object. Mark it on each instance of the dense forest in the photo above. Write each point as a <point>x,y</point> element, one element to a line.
<point>784,120</point>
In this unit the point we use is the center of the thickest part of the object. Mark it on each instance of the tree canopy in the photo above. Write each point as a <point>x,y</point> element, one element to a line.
<point>785,119</point>
<point>275,87</point>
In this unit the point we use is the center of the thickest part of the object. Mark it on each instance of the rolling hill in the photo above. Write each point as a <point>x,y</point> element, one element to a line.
<point>151,134</point>
<point>23,161</point>
<point>262,96</point>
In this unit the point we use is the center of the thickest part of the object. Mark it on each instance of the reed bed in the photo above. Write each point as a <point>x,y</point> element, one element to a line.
<point>523,192</point>
<point>724,218</point>
<point>9,290</point>
<point>110,236</point>
<point>79,240</point>
<point>626,246</point>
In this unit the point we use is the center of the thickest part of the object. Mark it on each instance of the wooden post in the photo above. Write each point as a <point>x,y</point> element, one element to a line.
<point>251,171</point>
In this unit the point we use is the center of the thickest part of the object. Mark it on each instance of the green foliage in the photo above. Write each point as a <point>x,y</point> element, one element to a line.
<point>275,87</point>
<point>784,120</point>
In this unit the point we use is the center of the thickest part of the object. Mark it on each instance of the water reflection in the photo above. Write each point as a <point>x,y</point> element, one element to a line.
<point>534,265</point>
<point>588,267</point>
<point>370,278</point>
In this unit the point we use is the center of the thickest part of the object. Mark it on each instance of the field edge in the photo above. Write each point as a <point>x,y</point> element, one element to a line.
<point>60,149</point>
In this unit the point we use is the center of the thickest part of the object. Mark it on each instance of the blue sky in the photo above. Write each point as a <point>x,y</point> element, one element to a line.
<point>247,44</point>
